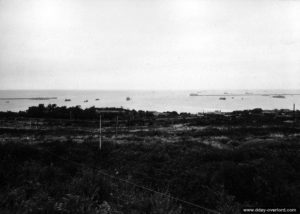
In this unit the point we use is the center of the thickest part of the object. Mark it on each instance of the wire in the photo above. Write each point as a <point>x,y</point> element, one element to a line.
<point>137,185</point>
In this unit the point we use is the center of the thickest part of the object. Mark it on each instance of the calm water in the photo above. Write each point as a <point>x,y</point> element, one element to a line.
<point>152,100</point>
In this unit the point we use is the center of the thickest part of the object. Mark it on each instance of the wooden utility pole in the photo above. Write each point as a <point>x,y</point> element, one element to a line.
<point>100,137</point>
<point>294,113</point>
<point>117,123</point>
<point>104,111</point>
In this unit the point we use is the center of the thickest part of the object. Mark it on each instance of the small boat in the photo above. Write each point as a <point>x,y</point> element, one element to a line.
<point>128,98</point>
<point>97,99</point>
<point>86,101</point>
<point>222,98</point>
<point>278,96</point>
<point>67,100</point>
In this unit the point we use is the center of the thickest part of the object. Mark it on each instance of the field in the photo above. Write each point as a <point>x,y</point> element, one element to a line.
<point>149,162</point>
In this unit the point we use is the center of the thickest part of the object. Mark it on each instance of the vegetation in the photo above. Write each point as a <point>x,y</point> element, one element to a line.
<point>218,168</point>
<point>245,117</point>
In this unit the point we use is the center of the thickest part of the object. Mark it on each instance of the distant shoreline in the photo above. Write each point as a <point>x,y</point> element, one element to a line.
<point>239,95</point>
<point>32,98</point>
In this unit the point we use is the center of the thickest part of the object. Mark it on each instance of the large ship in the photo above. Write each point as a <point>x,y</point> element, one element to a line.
<point>278,96</point>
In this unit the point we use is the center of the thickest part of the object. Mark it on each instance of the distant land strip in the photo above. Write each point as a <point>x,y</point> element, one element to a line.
<point>236,95</point>
<point>32,98</point>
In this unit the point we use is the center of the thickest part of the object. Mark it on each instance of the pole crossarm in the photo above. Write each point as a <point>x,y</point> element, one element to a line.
<point>104,111</point>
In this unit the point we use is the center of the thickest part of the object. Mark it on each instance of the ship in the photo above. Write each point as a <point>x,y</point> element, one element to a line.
<point>67,100</point>
<point>128,98</point>
<point>86,101</point>
<point>194,94</point>
<point>97,99</point>
<point>222,98</point>
<point>278,96</point>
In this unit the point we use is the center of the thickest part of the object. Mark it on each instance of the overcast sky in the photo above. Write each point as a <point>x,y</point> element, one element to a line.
<point>149,44</point>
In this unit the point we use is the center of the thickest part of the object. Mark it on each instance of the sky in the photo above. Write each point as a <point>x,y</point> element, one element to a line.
<point>149,44</point>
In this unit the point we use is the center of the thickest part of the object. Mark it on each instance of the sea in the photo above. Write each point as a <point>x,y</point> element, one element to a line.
<point>193,101</point>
